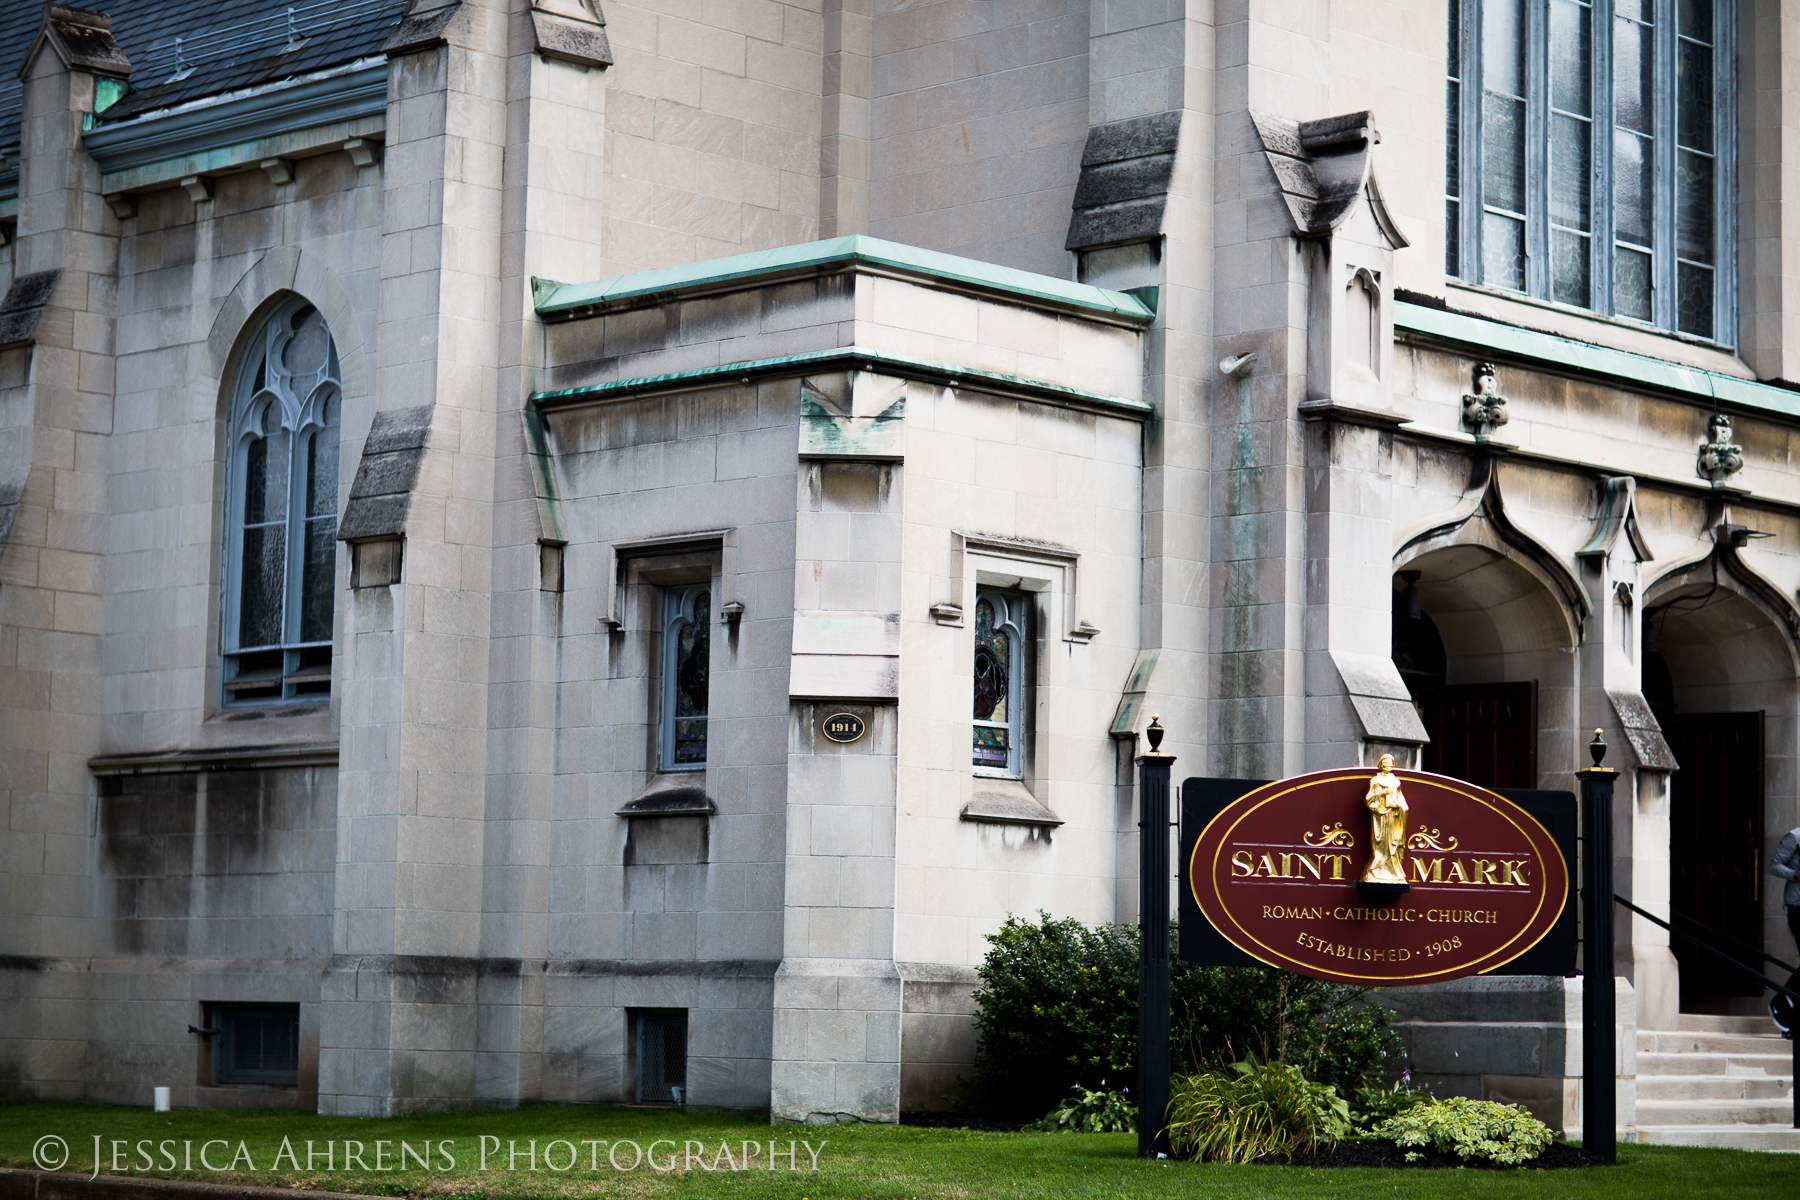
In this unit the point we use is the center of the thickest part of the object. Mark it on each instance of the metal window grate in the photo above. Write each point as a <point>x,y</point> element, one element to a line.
<point>257,1044</point>
<point>662,1056</point>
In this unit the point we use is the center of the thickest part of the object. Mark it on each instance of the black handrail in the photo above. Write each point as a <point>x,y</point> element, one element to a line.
<point>1793,1034</point>
<point>1716,953</point>
<point>1744,946</point>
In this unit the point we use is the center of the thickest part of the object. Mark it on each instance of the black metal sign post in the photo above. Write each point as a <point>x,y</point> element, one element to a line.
<point>1599,1020</point>
<point>1153,944</point>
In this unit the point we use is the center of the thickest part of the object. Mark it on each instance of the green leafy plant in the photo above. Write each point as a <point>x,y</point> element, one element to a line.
<point>1369,1106</point>
<point>1057,1009</point>
<point>1089,1111</point>
<point>1331,1031</point>
<point>1505,1134</point>
<point>1253,1110</point>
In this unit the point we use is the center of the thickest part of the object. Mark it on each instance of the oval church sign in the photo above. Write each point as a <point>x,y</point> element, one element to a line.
<point>1378,876</point>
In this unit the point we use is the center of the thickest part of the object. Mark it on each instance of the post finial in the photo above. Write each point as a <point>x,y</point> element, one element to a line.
<point>1597,748</point>
<point>1155,733</point>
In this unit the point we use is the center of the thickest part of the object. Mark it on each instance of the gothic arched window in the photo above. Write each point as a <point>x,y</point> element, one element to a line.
<point>281,513</point>
<point>1000,700</point>
<point>685,677</point>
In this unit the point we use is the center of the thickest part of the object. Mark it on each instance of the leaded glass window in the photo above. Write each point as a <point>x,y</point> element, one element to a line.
<point>686,654</point>
<point>1595,135</point>
<point>281,549</point>
<point>1000,700</point>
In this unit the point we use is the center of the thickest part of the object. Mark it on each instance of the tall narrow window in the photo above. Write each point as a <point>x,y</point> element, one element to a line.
<point>281,553</point>
<point>1000,702</point>
<point>686,646</point>
<point>1598,143</point>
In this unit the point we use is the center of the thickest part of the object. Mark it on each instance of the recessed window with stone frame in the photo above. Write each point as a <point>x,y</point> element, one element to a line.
<point>281,478</point>
<point>672,595</point>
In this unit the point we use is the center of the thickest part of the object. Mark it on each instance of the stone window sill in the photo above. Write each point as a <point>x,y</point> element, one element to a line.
<point>1007,802</point>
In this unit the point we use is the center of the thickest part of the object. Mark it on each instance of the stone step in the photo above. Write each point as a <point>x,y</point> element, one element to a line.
<point>1708,1023</point>
<point>1714,1113</point>
<point>1780,1136</point>
<point>1711,1087</point>
<point>1713,1064</point>
<point>1647,1038</point>
<point>1684,1042</point>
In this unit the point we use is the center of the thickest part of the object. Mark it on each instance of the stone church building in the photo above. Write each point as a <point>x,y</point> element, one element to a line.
<point>411,409</point>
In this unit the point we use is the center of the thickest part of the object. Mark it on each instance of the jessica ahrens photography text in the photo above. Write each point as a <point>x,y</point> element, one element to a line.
<point>129,1156</point>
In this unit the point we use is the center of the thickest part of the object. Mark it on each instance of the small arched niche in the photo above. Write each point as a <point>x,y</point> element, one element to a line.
<point>1487,660</point>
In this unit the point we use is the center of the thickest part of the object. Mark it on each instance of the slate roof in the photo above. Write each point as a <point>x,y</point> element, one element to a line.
<point>226,45</point>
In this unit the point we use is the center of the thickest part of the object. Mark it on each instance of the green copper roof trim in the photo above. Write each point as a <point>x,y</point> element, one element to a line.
<point>551,527</point>
<point>849,358</point>
<point>572,299</point>
<point>1586,358</point>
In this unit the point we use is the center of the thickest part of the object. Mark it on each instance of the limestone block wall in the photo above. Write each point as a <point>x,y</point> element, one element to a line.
<point>713,130</point>
<point>977,118</point>
<point>226,873</point>
<point>1515,1040</point>
<point>1005,489</point>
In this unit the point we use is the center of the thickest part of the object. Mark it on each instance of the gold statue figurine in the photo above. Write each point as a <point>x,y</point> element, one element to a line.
<point>1387,807</point>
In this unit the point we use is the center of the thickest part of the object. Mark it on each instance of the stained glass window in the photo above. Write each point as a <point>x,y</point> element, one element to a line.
<point>1597,144</point>
<point>999,682</point>
<point>281,554</point>
<point>685,669</point>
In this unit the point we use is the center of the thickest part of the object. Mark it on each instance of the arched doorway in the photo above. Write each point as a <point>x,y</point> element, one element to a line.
<point>1719,675</point>
<point>1485,649</point>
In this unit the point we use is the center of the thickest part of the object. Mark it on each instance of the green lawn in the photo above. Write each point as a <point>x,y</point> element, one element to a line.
<point>866,1162</point>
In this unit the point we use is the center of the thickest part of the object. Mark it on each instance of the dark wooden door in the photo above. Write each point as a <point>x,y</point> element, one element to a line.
<point>1485,733</point>
<point>1715,844</point>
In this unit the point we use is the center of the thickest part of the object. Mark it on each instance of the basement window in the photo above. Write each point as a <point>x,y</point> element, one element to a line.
<point>662,1056</point>
<point>256,1044</point>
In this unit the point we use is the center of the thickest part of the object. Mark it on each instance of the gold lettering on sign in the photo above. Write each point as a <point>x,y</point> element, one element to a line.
<point>1241,866</point>
<point>1422,874</point>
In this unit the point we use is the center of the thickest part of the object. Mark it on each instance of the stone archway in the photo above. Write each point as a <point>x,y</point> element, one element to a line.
<point>1509,672</point>
<point>1719,672</point>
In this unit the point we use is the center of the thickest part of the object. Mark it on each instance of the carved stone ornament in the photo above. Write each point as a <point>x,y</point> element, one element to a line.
<point>1484,409</point>
<point>1720,457</point>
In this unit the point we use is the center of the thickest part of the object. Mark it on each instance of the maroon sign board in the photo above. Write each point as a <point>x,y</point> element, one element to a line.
<point>1377,878</point>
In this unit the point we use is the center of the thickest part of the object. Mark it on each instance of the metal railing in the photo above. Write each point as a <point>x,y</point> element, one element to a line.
<point>1778,988</point>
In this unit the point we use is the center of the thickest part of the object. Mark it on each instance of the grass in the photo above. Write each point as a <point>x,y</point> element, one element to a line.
<point>864,1162</point>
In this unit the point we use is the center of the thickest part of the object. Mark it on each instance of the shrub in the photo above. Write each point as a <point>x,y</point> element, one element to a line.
<point>1088,1111</point>
<point>1252,1111</point>
<point>1057,1009</point>
<point>1329,1030</point>
<point>1370,1106</point>
<point>1500,1133</point>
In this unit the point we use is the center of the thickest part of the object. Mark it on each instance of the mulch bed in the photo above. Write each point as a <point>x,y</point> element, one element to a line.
<point>1373,1152</point>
